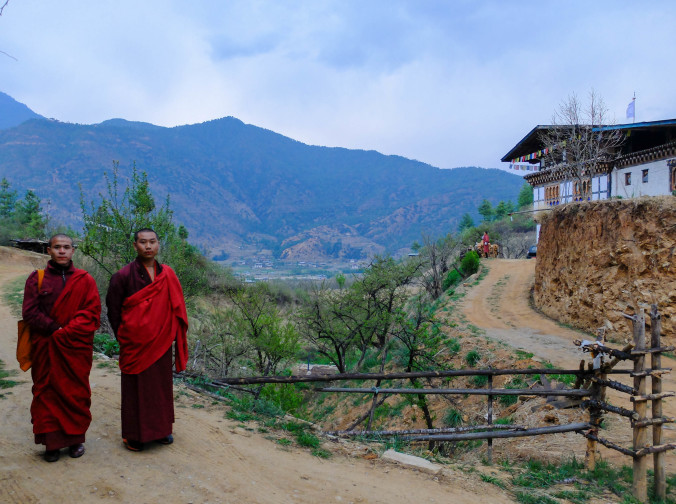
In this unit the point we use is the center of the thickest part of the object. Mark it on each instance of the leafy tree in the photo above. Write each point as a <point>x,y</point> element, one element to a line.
<point>486,210</point>
<point>29,216</point>
<point>421,338</point>
<point>466,222</point>
<point>525,197</point>
<point>257,319</point>
<point>110,225</point>
<point>7,200</point>
<point>503,208</point>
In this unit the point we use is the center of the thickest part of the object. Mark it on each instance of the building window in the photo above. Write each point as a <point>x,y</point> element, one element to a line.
<point>581,191</point>
<point>627,178</point>
<point>644,176</point>
<point>552,195</point>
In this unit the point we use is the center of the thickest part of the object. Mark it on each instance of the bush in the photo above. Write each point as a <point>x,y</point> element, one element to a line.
<point>453,418</point>
<point>452,279</point>
<point>106,344</point>
<point>284,395</point>
<point>470,263</point>
<point>472,357</point>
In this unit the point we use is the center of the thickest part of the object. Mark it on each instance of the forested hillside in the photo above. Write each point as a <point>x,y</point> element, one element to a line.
<point>236,186</point>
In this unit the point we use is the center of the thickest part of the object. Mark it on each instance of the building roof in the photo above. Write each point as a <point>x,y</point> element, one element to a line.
<point>664,129</point>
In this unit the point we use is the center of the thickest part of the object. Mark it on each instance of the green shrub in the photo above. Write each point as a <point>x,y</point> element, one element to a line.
<point>284,395</point>
<point>452,279</point>
<point>107,345</point>
<point>479,380</point>
<point>307,440</point>
<point>453,418</point>
<point>453,345</point>
<point>472,357</point>
<point>470,263</point>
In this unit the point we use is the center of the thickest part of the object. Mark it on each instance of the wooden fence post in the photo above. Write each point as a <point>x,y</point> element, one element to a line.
<point>656,378</point>
<point>595,422</point>
<point>640,466</point>
<point>489,419</point>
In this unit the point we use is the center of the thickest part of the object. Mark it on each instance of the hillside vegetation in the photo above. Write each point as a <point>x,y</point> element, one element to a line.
<point>239,189</point>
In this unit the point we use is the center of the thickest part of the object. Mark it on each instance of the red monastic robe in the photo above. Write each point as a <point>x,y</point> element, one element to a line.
<point>147,316</point>
<point>152,319</point>
<point>62,361</point>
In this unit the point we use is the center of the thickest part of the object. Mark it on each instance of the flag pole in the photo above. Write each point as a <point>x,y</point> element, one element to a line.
<point>633,120</point>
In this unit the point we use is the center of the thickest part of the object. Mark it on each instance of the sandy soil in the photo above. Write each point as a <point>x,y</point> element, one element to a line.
<point>500,306</point>
<point>212,460</point>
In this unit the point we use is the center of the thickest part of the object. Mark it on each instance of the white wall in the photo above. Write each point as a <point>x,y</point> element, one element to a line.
<point>657,184</point>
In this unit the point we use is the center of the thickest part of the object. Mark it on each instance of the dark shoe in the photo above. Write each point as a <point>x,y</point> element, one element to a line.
<point>166,440</point>
<point>52,455</point>
<point>135,446</point>
<point>76,451</point>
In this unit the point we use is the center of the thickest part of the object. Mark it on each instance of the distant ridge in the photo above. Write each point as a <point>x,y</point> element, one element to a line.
<point>240,189</point>
<point>13,113</point>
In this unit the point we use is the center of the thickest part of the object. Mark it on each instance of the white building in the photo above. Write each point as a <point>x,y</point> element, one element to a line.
<point>644,164</point>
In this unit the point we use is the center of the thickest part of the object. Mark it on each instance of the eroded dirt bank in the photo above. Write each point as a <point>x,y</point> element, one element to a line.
<point>591,256</point>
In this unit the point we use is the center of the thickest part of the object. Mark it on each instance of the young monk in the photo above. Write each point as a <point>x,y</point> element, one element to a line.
<point>147,312</point>
<point>63,315</point>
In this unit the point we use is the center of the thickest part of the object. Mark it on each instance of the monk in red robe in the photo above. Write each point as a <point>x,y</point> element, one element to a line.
<point>63,316</point>
<point>147,312</point>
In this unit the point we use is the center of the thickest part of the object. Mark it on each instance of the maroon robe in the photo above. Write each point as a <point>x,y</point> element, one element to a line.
<point>63,317</point>
<point>147,397</point>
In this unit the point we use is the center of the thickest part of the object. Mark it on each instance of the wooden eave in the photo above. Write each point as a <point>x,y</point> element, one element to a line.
<point>557,174</point>
<point>647,156</point>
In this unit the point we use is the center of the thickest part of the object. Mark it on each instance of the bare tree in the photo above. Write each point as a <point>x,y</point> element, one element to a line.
<point>437,257</point>
<point>2,7</point>
<point>581,140</point>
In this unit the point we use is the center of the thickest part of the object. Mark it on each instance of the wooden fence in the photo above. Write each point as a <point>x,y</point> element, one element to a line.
<point>590,390</point>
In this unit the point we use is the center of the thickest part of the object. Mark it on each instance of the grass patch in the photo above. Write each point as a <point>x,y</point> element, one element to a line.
<point>5,383</point>
<point>521,355</point>
<point>453,418</point>
<point>488,478</point>
<point>12,294</point>
<point>307,440</point>
<point>479,381</point>
<point>539,482</point>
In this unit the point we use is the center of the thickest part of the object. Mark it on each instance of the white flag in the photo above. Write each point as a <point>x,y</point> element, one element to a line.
<point>630,110</point>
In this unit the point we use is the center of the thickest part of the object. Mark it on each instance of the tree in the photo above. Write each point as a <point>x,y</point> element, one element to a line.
<point>580,142</point>
<point>110,225</point>
<point>256,319</point>
<point>486,210</point>
<point>436,258</point>
<point>503,209</point>
<point>7,200</point>
<point>466,222</point>
<point>525,197</point>
<point>29,216</point>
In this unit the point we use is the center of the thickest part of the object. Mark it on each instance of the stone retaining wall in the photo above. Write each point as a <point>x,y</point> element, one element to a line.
<point>592,255</point>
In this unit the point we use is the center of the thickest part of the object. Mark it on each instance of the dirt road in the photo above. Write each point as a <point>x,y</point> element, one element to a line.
<point>500,306</point>
<point>212,460</point>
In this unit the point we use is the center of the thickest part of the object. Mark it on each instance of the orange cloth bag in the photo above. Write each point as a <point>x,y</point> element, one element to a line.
<point>23,343</point>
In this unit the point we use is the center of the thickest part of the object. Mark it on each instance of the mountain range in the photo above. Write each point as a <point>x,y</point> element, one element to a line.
<point>240,189</point>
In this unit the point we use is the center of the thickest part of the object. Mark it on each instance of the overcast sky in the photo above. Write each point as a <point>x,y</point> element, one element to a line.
<point>451,83</point>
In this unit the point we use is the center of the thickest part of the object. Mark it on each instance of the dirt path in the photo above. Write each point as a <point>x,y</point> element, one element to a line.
<point>500,306</point>
<point>212,460</point>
